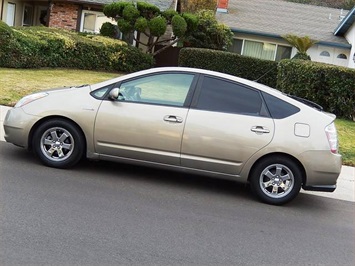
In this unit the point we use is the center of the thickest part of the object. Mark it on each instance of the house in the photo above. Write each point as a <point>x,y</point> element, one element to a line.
<point>347,29</point>
<point>78,15</point>
<point>258,27</point>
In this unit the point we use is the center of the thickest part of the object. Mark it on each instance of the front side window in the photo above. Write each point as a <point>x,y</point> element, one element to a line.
<point>229,97</point>
<point>166,89</point>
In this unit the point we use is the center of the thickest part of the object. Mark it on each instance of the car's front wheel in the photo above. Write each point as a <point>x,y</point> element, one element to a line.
<point>58,143</point>
<point>276,180</point>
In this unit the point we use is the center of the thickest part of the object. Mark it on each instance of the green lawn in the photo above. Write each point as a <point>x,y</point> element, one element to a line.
<point>346,133</point>
<point>15,83</point>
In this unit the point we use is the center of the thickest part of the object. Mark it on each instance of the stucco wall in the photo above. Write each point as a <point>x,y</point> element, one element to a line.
<point>350,36</point>
<point>316,50</point>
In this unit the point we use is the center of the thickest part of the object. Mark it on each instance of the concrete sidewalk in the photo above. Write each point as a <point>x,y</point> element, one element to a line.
<point>345,186</point>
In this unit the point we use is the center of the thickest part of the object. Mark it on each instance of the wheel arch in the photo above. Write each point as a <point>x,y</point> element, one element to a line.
<point>48,118</point>
<point>284,155</point>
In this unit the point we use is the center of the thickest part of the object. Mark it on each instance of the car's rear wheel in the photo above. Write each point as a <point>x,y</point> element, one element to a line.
<point>276,180</point>
<point>58,143</point>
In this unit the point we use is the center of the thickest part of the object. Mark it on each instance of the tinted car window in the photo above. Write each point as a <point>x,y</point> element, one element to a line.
<point>166,89</point>
<point>278,108</point>
<point>224,96</point>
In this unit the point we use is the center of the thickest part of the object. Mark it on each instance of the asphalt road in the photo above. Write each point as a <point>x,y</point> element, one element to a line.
<point>102,213</point>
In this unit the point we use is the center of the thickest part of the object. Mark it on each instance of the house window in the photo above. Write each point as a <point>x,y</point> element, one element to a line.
<point>10,16</point>
<point>27,16</point>
<point>325,53</point>
<point>91,21</point>
<point>283,52</point>
<point>261,50</point>
<point>342,56</point>
<point>237,46</point>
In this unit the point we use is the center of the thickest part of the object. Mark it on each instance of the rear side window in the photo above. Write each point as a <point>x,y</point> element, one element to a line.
<point>278,108</point>
<point>223,96</point>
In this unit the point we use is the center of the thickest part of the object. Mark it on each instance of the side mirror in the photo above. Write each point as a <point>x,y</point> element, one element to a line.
<point>114,93</point>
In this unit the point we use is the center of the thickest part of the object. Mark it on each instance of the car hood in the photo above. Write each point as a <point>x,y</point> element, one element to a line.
<point>65,88</point>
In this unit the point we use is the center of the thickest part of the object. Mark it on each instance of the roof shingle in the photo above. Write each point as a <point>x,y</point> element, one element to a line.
<point>278,17</point>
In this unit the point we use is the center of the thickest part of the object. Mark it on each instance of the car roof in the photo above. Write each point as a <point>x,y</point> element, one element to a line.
<point>246,82</point>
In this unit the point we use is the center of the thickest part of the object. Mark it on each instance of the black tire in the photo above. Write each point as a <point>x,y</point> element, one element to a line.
<point>276,180</point>
<point>58,143</point>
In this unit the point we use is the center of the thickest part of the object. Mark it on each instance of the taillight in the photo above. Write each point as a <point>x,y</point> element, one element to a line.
<point>332,137</point>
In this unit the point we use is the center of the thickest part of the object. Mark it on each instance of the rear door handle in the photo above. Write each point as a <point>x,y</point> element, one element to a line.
<point>260,129</point>
<point>173,119</point>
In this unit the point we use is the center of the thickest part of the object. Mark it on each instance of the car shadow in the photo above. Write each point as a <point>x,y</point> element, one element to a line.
<point>165,177</point>
<point>233,190</point>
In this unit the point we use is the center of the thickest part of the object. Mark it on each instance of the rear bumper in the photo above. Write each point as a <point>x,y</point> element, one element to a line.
<point>324,188</point>
<point>322,170</point>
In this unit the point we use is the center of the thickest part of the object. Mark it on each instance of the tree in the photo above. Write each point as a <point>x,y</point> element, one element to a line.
<point>302,44</point>
<point>210,34</point>
<point>148,20</point>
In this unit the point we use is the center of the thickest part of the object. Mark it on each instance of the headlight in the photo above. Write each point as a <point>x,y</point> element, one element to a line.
<point>30,98</point>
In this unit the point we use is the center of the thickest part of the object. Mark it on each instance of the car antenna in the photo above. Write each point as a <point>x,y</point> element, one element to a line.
<point>263,75</point>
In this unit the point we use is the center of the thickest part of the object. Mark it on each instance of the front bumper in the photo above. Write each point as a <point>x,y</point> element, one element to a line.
<point>17,126</point>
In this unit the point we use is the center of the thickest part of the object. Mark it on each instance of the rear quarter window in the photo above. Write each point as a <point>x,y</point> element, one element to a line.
<point>278,108</point>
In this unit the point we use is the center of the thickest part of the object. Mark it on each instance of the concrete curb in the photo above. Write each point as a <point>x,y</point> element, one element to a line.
<point>345,186</point>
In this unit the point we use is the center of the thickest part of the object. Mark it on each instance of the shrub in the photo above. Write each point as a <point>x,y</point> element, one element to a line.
<point>108,29</point>
<point>179,25</point>
<point>34,47</point>
<point>230,63</point>
<point>330,86</point>
<point>5,33</point>
<point>157,26</point>
<point>169,14</point>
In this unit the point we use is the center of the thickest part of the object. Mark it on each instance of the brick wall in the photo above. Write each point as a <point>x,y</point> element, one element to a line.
<point>64,15</point>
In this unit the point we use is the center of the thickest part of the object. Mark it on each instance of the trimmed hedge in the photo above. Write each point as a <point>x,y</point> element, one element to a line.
<point>230,63</point>
<point>34,47</point>
<point>332,87</point>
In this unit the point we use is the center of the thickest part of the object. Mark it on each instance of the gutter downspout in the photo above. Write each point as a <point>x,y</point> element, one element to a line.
<point>49,10</point>
<point>2,9</point>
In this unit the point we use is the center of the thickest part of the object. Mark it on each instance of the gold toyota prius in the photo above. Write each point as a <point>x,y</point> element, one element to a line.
<point>187,119</point>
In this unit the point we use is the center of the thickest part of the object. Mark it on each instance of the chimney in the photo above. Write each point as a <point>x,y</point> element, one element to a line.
<point>222,6</point>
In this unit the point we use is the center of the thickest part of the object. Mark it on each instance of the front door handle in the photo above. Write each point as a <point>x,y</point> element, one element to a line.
<point>173,119</point>
<point>260,129</point>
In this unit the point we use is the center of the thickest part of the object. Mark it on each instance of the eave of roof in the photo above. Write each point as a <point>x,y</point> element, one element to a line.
<point>346,23</point>
<point>277,36</point>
